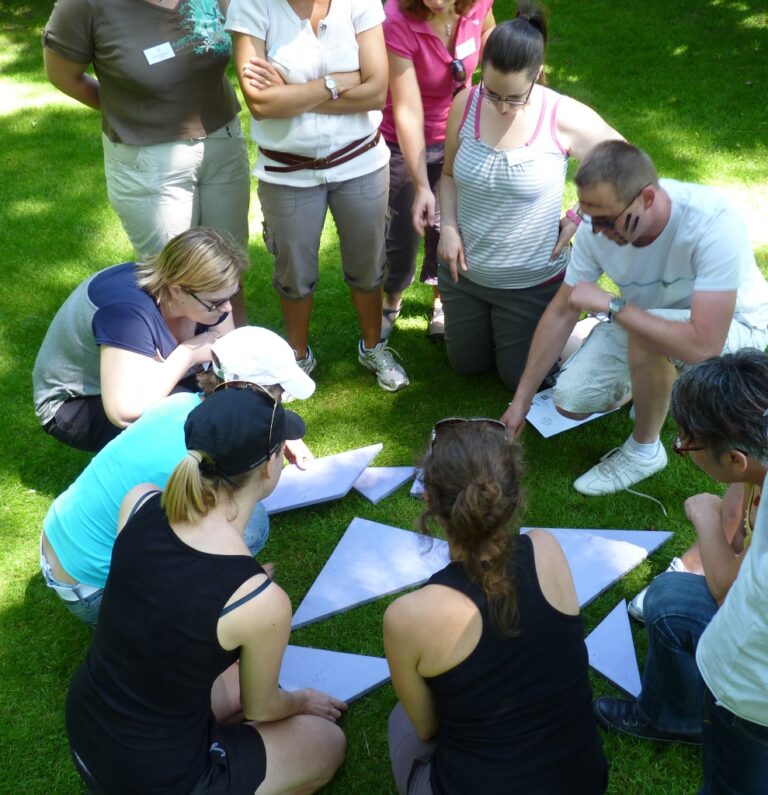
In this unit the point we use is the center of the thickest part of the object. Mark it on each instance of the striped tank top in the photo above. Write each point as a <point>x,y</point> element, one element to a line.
<point>509,201</point>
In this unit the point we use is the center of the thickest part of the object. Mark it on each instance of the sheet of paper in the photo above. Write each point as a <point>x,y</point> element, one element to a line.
<point>325,479</point>
<point>345,676</point>
<point>376,483</point>
<point>612,651</point>
<point>599,558</point>
<point>547,419</point>
<point>417,489</point>
<point>371,560</point>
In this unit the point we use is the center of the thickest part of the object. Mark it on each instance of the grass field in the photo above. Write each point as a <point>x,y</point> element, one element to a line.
<point>683,79</point>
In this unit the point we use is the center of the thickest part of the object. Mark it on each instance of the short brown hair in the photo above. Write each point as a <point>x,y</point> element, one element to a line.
<point>628,168</point>
<point>417,9</point>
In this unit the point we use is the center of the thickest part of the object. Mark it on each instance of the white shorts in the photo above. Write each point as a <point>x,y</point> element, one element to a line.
<point>597,376</point>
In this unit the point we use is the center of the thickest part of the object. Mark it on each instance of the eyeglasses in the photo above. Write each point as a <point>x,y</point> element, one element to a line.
<point>603,222</point>
<point>500,102</point>
<point>450,422</point>
<point>681,449</point>
<point>214,307</point>
<point>267,394</point>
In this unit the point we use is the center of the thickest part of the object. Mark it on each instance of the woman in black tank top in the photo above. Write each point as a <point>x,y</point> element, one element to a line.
<point>488,659</point>
<point>179,693</point>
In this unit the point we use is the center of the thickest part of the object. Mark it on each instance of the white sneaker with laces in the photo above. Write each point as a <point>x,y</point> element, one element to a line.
<point>381,360</point>
<point>619,469</point>
<point>635,607</point>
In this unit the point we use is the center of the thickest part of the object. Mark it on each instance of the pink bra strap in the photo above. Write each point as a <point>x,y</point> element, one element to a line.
<point>472,92</point>
<point>553,128</point>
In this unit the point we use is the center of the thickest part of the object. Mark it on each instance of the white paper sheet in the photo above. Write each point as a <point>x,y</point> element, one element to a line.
<point>376,483</point>
<point>612,651</point>
<point>547,419</point>
<point>371,560</point>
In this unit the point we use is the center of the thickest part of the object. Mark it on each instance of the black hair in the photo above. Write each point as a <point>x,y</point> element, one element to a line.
<point>518,44</point>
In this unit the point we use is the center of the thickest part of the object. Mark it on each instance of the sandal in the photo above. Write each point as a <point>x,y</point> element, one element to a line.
<point>388,318</point>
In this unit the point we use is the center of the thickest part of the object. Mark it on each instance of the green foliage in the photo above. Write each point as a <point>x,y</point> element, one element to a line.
<point>682,79</point>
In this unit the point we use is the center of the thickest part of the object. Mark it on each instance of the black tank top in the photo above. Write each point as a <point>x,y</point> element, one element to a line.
<point>138,708</point>
<point>516,715</point>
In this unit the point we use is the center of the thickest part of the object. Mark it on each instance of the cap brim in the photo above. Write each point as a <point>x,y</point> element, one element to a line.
<point>294,425</point>
<point>300,385</point>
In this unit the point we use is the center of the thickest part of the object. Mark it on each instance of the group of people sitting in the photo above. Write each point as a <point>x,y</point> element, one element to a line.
<point>144,365</point>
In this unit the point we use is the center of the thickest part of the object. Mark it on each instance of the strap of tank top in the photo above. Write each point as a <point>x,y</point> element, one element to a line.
<point>246,598</point>
<point>540,120</point>
<point>141,502</point>
<point>467,107</point>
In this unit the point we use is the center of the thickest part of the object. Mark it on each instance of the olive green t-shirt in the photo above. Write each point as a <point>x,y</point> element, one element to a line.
<point>160,70</point>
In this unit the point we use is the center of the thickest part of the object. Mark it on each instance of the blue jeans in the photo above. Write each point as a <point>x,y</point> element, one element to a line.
<point>677,609</point>
<point>734,751</point>
<point>256,530</point>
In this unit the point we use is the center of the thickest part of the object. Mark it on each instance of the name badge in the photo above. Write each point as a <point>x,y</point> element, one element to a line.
<point>161,52</point>
<point>465,48</point>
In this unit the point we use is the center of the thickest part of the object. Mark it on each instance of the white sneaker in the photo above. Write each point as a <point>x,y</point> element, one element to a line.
<point>620,469</point>
<point>307,364</point>
<point>380,360</point>
<point>635,607</point>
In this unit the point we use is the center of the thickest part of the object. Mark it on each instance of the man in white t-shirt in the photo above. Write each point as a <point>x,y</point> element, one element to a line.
<point>690,288</point>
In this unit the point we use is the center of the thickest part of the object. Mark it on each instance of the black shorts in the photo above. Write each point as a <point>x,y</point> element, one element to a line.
<point>237,761</point>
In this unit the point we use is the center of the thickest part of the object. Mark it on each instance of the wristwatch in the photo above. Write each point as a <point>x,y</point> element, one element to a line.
<point>330,84</point>
<point>615,306</point>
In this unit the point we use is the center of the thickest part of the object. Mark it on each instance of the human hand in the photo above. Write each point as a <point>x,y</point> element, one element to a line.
<point>567,231</point>
<point>321,704</point>
<point>423,209</point>
<point>451,250</point>
<point>261,74</point>
<point>588,297</point>
<point>514,416</point>
<point>297,453</point>
<point>705,512</point>
<point>199,346</point>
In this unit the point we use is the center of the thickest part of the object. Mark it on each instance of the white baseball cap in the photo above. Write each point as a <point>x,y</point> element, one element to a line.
<point>258,355</point>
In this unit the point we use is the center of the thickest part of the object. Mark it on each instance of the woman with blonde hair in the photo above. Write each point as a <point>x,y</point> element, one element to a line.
<point>179,693</point>
<point>488,658</point>
<point>131,334</point>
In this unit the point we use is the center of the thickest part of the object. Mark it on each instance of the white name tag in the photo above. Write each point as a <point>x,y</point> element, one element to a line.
<point>465,48</point>
<point>162,52</point>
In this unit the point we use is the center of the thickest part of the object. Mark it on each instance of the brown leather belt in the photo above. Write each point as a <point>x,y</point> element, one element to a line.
<point>299,162</point>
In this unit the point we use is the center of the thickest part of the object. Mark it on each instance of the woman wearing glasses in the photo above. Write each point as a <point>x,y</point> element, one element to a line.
<point>192,631</point>
<point>503,246</point>
<point>488,659</point>
<point>433,47</point>
<point>132,334</point>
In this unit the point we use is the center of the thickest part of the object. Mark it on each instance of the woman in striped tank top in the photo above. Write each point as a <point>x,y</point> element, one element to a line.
<point>503,246</point>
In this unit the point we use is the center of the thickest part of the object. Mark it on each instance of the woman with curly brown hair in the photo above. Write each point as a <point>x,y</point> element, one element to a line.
<point>488,658</point>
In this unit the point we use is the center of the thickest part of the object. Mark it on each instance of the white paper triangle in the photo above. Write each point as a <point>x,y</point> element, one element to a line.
<point>612,651</point>
<point>344,676</point>
<point>598,558</point>
<point>417,489</point>
<point>324,479</point>
<point>547,420</point>
<point>376,483</point>
<point>371,560</point>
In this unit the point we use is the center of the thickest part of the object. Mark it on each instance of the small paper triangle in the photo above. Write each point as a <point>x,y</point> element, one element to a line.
<point>371,560</point>
<point>612,651</point>
<point>324,479</point>
<point>344,676</point>
<point>376,483</point>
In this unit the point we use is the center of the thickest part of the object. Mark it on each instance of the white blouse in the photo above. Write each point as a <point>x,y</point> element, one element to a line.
<point>300,56</point>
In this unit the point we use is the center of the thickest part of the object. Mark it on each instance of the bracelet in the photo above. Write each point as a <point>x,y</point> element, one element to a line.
<point>571,215</point>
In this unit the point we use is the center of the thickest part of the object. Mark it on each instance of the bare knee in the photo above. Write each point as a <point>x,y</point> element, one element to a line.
<point>574,415</point>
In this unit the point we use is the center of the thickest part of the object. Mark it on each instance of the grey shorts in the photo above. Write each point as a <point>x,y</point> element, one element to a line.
<point>293,223</point>
<point>597,376</point>
<point>411,757</point>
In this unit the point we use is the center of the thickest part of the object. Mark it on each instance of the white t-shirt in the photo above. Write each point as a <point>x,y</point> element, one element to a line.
<point>300,56</point>
<point>732,654</point>
<point>703,248</point>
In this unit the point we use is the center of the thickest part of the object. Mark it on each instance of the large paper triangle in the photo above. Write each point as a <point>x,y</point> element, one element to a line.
<point>344,676</point>
<point>325,479</point>
<point>371,560</point>
<point>599,558</point>
<point>376,483</point>
<point>612,651</point>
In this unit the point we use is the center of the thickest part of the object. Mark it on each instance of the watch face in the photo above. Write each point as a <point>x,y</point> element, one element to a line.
<point>330,83</point>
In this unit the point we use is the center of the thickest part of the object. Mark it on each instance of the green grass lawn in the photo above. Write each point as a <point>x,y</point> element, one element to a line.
<point>683,79</point>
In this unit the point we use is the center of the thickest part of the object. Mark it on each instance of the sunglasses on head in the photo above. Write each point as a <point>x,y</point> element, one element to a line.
<point>450,422</point>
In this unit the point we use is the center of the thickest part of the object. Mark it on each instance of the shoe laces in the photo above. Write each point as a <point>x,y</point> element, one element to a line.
<point>620,451</point>
<point>384,356</point>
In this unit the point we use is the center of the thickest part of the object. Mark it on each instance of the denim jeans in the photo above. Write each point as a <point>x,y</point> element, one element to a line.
<point>256,530</point>
<point>677,609</point>
<point>734,751</point>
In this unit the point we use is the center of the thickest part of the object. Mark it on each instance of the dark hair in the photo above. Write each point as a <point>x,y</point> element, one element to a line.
<point>417,9</point>
<point>722,402</point>
<point>517,45</point>
<point>620,164</point>
<point>473,480</point>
